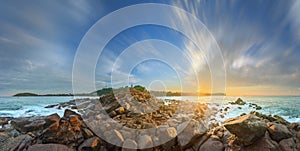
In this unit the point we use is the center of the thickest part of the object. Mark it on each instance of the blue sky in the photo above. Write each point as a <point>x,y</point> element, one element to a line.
<point>259,41</point>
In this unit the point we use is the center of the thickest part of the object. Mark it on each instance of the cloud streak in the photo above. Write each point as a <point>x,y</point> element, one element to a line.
<point>259,41</point>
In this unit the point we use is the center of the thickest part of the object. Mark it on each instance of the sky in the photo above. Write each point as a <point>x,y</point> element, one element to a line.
<point>244,47</point>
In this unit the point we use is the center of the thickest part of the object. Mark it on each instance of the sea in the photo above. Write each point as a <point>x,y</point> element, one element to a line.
<point>287,107</point>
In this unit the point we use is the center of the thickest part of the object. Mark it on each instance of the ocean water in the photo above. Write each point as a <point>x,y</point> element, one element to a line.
<point>29,106</point>
<point>285,106</point>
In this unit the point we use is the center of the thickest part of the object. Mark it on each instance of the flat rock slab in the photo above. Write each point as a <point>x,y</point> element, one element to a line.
<point>247,128</point>
<point>15,143</point>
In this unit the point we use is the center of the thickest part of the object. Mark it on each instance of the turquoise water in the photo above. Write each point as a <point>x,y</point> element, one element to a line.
<point>285,106</point>
<point>29,106</point>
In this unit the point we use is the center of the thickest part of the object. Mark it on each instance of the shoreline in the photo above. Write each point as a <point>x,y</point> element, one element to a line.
<point>282,110</point>
<point>201,131</point>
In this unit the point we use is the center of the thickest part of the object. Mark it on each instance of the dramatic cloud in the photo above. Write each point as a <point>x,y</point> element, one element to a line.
<point>259,42</point>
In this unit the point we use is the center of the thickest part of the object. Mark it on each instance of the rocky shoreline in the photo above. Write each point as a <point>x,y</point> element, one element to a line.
<point>138,121</point>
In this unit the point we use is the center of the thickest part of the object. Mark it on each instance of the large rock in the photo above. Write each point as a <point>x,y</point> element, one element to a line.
<point>15,143</point>
<point>4,136</point>
<point>65,134</point>
<point>90,144</point>
<point>87,133</point>
<point>52,121</point>
<point>34,124</point>
<point>247,128</point>
<point>239,101</point>
<point>288,145</point>
<point>4,120</point>
<point>212,144</point>
<point>130,144</point>
<point>144,142</point>
<point>196,142</point>
<point>187,130</point>
<point>114,137</point>
<point>166,137</point>
<point>69,112</point>
<point>294,126</point>
<point>28,124</point>
<point>298,135</point>
<point>120,110</point>
<point>166,134</point>
<point>70,131</point>
<point>279,131</point>
<point>270,118</point>
<point>263,144</point>
<point>53,118</point>
<point>49,147</point>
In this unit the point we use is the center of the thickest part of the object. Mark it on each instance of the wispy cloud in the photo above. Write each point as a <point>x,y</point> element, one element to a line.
<point>294,17</point>
<point>38,44</point>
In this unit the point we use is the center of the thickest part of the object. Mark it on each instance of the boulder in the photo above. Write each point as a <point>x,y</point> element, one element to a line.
<point>258,108</point>
<point>166,134</point>
<point>127,106</point>
<point>52,106</point>
<point>270,118</point>
<point>212,144</point>
<point>114,137</point>
<point>82,104</point>
<point>187,130</point>
<point>4,136</point>
<point>130,144</point>
<point>219,131</point>
<point>298,135</point>
<point>120,110</point>
<point>15,143</point>
<point>263,144</point>
<point>49,147</point>
<point>239,101</point>
<point>69,112</point>
<point>90,144</point>
<point>31,124</point>
<point>281,120</point>
<point>166,137</point>
<point>279,131</point>
<point>4,120</point>
<point>112,114</point>
<point>70,131</point>
<point>247,128</point>
<point>196,142</point>
<point>53,118</point>
<point>87,133</point>
<point>288,145</point>
<point>75,122</point>
<point>74,107</point>
<point>144,142</point>
<point>74,119</point>
<point>295,126</point>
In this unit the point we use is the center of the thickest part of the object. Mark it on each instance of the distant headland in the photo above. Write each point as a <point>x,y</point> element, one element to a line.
<point>33,94</point>
<point>106,91</point>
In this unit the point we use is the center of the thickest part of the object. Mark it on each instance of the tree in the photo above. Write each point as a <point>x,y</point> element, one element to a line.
<point>140,88</point>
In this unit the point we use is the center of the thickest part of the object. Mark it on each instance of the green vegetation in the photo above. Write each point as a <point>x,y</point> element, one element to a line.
<point>104,91</point>
<point>140,88</point>
<point>173,93</point>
